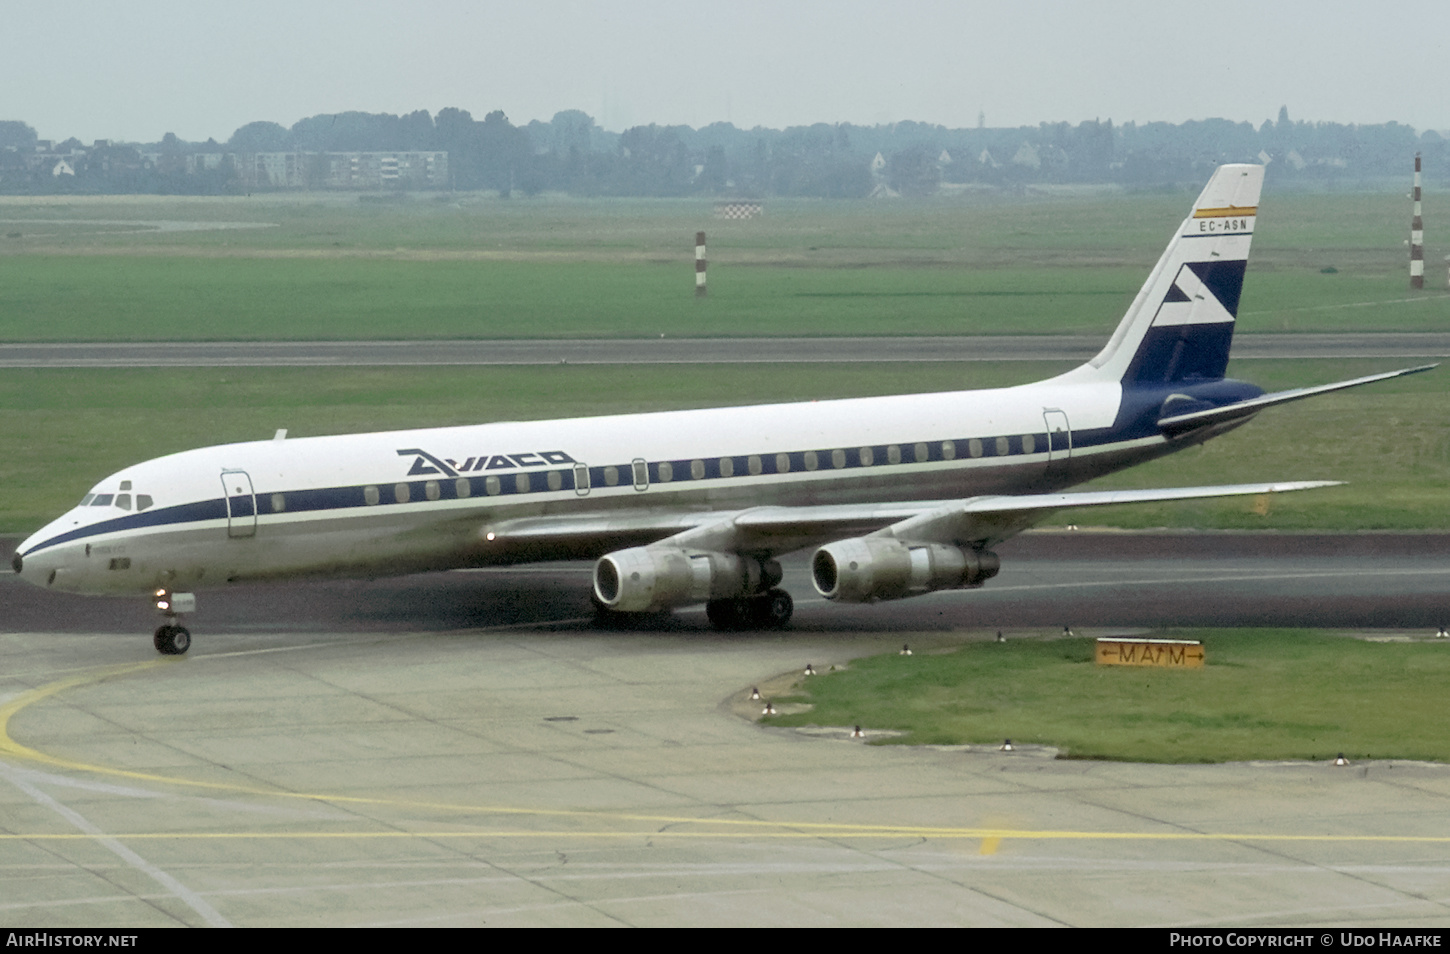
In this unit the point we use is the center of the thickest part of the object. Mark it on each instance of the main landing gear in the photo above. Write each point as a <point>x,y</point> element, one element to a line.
<point>173,639</point>
<point>769,610</point>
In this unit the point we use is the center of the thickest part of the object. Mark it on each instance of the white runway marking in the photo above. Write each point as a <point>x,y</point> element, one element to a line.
<point>178,890</point>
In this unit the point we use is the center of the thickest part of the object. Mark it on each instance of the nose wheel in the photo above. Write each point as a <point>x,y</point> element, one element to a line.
<point>172,640</point>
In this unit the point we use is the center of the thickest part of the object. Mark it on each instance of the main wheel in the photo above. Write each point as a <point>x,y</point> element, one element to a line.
<point>772,610</point>
<point>172,640</point>
<point>729,614</point>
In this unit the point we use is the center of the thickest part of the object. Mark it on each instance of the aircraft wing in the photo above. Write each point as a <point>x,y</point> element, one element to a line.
<point>1181,423</point>
<point>979,521</point>
<point>987,521</point>
<point>760,529</point>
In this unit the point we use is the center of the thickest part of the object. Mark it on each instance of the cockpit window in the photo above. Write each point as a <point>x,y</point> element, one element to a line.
<point>143,501</point>
<point>102,500</point>
<point>123,501</point>
<point>86,500</point>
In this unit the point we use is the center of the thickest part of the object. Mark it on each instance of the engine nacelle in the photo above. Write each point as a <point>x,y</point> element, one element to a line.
<point>643,579</point>
<point>866,569</point>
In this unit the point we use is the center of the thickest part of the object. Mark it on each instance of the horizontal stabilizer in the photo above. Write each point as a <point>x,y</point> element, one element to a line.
<point>1182,423</point>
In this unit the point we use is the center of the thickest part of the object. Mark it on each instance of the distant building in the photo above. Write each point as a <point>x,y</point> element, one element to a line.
<point>344,170</point>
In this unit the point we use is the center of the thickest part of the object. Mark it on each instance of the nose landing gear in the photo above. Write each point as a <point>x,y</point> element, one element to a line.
<point>171,638</point>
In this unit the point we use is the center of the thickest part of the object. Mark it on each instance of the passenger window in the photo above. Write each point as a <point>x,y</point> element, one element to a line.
<point>556,480</point>
<point>753,463</point>
<point>974,447</point>
<point>123,501</point>
<point>838,459</point>
<point>868,457</point>
<point>463,487</point>
<point>782,463</point>
<point>697,469</point>
<point>1029,443</point>
<point>666,471</point>
<point>400,493</point>
<point>727,467</point>
<point>491,485</point>
<point>949,450</point>
<point>431,490</point>
<point>893,454</point>
<point>1003,448</point>
<point>521,483</point>
<point>143,501</point>
<point>371,495</point>
<point>812,460</point>
<point>279,503</point>
<point>921,453</point>
<point>611,476</point>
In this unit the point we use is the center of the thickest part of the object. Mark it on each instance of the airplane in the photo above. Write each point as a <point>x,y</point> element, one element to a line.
<point>900,495</point>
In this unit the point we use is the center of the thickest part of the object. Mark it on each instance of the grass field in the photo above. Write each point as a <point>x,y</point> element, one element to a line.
<point>147,268</point>
<point>122,268</point>
<point>1264,694</point>
<point>63,430</point>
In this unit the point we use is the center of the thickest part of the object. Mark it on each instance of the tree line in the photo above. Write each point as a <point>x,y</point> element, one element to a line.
<point>572,154</point>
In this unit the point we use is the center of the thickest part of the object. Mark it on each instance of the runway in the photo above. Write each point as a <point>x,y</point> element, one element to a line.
<point>675,350</point>
<point>466,749</point>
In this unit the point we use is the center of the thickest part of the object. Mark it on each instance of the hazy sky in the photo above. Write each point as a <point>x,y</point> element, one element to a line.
<point>200,69</point>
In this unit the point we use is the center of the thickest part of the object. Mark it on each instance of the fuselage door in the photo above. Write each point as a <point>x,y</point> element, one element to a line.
<point>241,504</point>
<point>1059,439</point>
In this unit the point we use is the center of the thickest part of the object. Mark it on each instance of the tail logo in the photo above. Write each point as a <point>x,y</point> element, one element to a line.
<point>1203,293</point>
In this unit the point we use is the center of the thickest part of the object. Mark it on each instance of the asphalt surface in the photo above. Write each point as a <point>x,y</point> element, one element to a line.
<point>471,749</point>
<point>1048,580</point>
<point>676,350</point>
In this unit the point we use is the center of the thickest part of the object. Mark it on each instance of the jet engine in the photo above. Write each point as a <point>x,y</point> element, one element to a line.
<point>866,569</point>
<point>643,579</point>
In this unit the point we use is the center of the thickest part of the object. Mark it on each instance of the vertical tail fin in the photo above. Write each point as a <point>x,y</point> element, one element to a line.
<point>1180,326</point>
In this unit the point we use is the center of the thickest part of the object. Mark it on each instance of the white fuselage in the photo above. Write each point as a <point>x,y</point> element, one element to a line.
<point>403,501</point>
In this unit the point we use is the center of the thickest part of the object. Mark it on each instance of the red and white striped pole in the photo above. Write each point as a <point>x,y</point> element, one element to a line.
<point>699,264</point>
<point>1417,236</point>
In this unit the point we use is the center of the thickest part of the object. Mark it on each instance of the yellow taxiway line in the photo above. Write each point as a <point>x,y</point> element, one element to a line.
<point>694,827</point>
